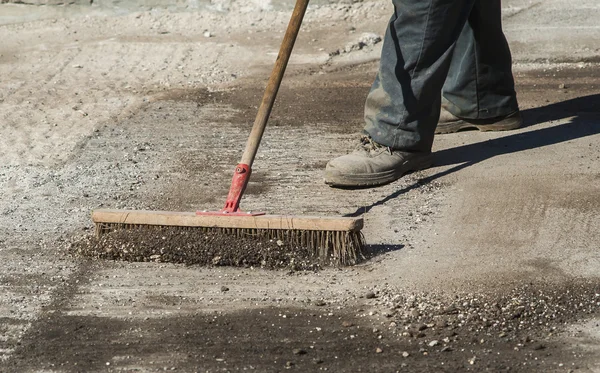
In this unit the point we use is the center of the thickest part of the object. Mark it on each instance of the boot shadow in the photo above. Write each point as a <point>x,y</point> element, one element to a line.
<point>584,114</point>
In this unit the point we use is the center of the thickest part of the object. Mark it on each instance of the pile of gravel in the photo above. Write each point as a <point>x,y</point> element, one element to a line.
<point>504,330</point>
<point>193,247</point>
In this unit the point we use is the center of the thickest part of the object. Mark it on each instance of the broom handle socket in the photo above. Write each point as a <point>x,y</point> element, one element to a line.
<point>274,82</point>
<point>238,186</point>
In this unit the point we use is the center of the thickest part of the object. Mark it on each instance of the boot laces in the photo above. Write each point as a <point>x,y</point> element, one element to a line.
<point>369,145</point>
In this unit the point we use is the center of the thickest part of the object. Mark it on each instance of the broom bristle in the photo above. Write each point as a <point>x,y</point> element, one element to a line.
<point>338,248</point>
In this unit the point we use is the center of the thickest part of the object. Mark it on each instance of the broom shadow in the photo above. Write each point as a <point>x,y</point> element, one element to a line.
<point>585,122</point>
<point>372,251</point>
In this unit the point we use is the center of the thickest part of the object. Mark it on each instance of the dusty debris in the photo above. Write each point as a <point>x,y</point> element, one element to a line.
<point>193,248</point>
<point>52,184</point>
<point>365,40</point>
<point>433,343</point>
<point>299,351</point>
<point>498,327</point>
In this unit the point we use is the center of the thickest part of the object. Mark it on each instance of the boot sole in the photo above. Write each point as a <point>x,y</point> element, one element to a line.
<point>513,121</point>
<point>336,179</point>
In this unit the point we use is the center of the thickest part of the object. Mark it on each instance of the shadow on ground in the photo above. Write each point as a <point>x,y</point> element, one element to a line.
<point>584,114</point>
<point>372,251</point>
<point>265,340</point>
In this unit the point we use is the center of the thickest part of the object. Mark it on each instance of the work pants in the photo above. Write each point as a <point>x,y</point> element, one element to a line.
<point>434,48</point>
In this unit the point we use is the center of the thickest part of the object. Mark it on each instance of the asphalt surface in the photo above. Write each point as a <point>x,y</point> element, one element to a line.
<point>487,261</point>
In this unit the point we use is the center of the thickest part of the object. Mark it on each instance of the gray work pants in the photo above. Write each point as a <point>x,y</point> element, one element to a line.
<point>454,48</point>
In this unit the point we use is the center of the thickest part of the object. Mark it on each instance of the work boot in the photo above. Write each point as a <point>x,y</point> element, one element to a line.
<point>449,123</point>
<point>373,164</point>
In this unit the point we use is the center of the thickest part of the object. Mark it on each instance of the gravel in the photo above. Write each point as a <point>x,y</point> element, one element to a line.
<point>192,247</point>
<point>502,328</point>
<point>370,295</point>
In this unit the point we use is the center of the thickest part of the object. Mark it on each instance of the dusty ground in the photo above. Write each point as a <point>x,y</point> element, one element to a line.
<point>488,261</point>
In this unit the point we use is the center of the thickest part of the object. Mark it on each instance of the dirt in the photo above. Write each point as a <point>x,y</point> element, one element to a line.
<point>497,331</point>
<point>487,261</point>
<point>196,247</point>
<point>513,331</point>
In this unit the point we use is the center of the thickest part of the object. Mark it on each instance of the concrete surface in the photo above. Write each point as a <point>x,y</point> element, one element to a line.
<point>119,107</point>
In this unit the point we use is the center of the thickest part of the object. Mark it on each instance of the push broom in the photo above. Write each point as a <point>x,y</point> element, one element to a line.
<point>331,240</point>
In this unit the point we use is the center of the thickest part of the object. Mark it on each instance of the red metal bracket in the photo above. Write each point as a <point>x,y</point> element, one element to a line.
<point>241,176</point>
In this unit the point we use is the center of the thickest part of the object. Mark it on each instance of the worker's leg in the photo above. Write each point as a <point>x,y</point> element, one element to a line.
<point>403,106</point>
<point>480,87</point>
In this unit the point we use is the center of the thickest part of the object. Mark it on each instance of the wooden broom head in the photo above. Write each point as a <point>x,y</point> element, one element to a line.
<point>331,240</point>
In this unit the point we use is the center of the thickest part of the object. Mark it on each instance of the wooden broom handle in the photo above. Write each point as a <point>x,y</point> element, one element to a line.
<point>274,82</point>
